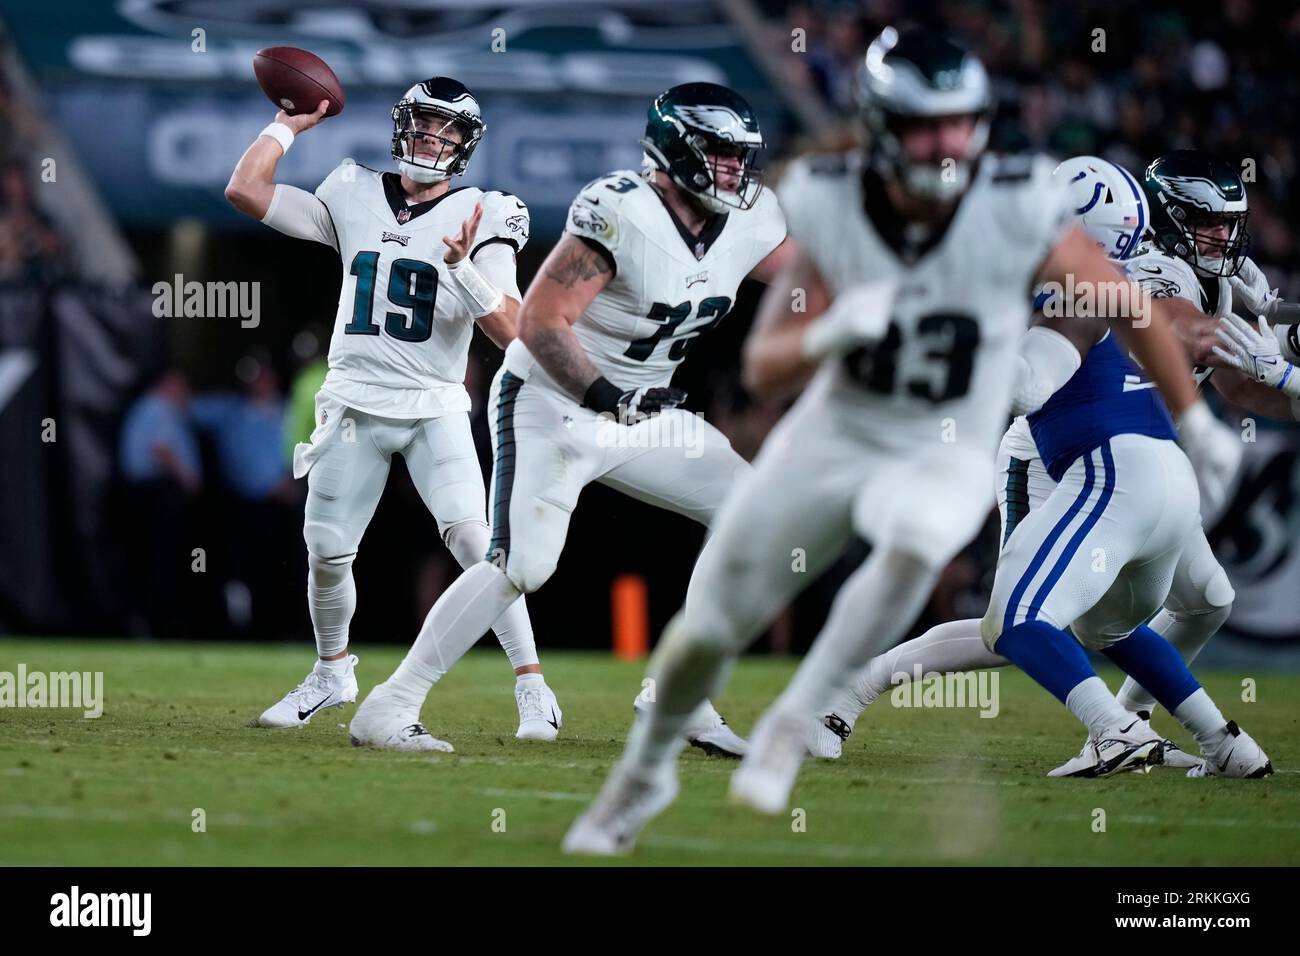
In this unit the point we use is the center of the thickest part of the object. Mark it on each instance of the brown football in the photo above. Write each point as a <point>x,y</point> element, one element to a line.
<point>296,80</point>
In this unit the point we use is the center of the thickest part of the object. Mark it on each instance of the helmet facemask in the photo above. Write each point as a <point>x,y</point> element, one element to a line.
<point>930,181</point>
<point>431,143</point>
<point>718,173</point>
<point>1225,254</point>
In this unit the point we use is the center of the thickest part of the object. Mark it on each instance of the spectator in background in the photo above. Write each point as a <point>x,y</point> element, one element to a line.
<point>30,249</point>
<point>300,417</point>
<point>159,464</point>
<point>259,499</point>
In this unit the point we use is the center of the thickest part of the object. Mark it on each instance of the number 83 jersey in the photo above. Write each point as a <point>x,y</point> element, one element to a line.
<point>669,286</point>
<point>943,369</point>
<point>402,334</point>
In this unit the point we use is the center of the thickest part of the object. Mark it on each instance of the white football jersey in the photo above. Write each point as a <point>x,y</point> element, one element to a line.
<point>1163,276</point>
<point>668,286</point>
<point>945,365</point>
<point>402,331</point>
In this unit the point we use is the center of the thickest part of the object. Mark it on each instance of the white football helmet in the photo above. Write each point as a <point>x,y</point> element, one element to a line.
<point>436,125</point>
<point>1108,202</point>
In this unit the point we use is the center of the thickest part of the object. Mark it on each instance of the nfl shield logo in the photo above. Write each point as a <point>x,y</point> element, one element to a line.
<point>699,250</point>
<point>403,215</point>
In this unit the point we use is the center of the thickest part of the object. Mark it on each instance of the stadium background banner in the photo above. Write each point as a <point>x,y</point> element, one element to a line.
<point>160,123</point>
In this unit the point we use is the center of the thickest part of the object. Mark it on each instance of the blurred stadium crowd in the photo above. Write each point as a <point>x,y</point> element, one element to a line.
<point>1125,81</point>
<point>1212,75</point>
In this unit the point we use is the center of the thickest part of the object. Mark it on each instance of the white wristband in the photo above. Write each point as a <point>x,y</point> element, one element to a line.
<point>280,133</point>
<point>483,294</point>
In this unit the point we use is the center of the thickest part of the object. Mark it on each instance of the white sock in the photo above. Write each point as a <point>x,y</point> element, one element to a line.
<point>456,621</point>
<point>468,542</point>
<point>952,647</point>
<point>331,598</point>
<point>1188,633</point>
<point>336,668</point>
<point>877,602</point>
<point>1093,703</point>
<point>1202,718</point>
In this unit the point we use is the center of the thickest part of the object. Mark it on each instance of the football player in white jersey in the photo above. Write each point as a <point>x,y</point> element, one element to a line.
<point>648,262</point>
<point>422,263</point>
<point>915,260</point>
<point>1201,596</point>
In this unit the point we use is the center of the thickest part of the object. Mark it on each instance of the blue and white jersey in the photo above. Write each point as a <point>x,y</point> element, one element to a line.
<point>1107,396</point>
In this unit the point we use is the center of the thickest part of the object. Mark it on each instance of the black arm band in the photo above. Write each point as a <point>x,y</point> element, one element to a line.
<point>602,396</point>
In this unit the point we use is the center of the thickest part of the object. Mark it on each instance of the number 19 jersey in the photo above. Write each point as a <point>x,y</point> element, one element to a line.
<point>402,332</point>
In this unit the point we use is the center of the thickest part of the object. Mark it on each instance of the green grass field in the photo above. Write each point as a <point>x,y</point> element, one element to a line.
<point>915,786</point>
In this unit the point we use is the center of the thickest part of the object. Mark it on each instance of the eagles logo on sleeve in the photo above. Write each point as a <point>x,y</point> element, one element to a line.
<point>586,221</point>
<point>518,225</point>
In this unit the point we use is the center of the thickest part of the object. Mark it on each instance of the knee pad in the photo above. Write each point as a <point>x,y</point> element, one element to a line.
<point>524,574</point>
<point>326,542</point>
<point>467,541</point>
<point>1218,591</point>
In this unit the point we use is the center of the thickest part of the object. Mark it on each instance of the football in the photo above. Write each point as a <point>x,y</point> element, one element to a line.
<point>296,80</point>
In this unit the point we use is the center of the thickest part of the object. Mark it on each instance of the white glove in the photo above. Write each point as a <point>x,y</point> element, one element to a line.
<point>1250,288</point>
<point>1214,450</point>
<point>1255,352</point>
<point>858,316</point>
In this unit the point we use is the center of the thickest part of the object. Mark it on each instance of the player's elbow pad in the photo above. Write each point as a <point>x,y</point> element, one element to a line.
<point>1045,362</point>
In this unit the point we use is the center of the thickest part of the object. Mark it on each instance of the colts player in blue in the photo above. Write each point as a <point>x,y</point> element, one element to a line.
<point>1099,555</point>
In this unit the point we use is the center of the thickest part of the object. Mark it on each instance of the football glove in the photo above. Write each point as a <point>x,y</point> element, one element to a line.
<point>1215,452</point>
<point>629,407</point>
<point>1256,353</point>
<point>858,316</point>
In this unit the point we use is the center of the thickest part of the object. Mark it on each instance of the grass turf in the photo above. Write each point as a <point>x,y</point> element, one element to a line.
<point>935,786</point>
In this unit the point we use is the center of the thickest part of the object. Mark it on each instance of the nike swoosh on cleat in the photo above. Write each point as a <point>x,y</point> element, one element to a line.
<point>1124,730</point>
<point>304,714</point>
<point>553,721</point>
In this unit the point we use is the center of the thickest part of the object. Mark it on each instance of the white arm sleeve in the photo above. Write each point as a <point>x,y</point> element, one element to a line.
<point>496,262</point>
<point>296,212</point>
<point>1045,362</point>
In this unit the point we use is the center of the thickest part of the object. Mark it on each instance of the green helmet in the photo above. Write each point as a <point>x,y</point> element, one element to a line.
<point>1189,191</point>
<point>914,76</point>
<point>688,124</point>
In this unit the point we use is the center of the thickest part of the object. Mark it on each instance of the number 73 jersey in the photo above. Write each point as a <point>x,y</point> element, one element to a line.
<point>669,286</point>
<point>944,368</point>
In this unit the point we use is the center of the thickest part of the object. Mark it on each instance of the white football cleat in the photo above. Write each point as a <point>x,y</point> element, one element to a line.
<point>321,690</point>
<point>706,729</point>
<point>1171,755</point>
<point>388,724</point>
<point>628,801</point>
<point>1131,747</point>
<point>767,774</point>
<point>1238,756</point>
<point>540,717</point>
<point>827,741</point>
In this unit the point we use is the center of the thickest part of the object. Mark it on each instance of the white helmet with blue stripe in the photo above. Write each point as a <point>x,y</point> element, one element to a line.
<point>1108,202</point>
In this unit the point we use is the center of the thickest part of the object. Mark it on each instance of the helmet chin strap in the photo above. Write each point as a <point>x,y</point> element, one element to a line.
<point>421,174</point>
